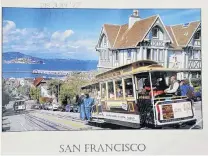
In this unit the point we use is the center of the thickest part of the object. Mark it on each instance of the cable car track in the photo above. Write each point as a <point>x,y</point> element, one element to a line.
<point>46,124</point>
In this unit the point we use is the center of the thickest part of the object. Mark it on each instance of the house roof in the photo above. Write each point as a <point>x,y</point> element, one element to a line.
<point>111,32</point>
<point>120,36</point>
<point>37,81</point>
<point>181,34</point>
<point>174,44</point>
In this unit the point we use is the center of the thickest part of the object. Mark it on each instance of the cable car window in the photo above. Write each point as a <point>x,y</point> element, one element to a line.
<point>119,88</point>
<point>110,90</point>
<point>103,90</point>
<point>128,87</point>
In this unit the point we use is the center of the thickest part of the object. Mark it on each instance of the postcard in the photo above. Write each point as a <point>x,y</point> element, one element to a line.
<point>79,78</point>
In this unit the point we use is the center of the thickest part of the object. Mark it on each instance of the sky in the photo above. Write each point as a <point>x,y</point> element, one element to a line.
<point>71,33</point>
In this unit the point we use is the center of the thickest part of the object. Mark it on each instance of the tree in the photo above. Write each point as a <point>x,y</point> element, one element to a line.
<point>77,81</point>
<point>66,94</point>
<point>23,90</point>
<point>6,97</point>
<point>71,88</point>
<point>34,93</point>
<point>54,87</point>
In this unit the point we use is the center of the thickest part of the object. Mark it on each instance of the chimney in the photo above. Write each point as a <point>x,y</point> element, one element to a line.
<point>134,18</point>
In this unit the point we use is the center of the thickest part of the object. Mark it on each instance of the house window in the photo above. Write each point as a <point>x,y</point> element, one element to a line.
<point>116,53</point>
<point>129,54</point>
<point>196,55</point>
<point>104,41</point>
<point>154,54</point>
<point>197,35</point>
<point>155,32</point>
<point>101,55</point>
<point>191,55</point>
<point>160,55</point>
<point>148,54</point>
<point>104,54</point>
<point>199,54</point>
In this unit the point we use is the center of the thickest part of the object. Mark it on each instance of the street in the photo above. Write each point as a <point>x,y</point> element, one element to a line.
<point>44,120</point>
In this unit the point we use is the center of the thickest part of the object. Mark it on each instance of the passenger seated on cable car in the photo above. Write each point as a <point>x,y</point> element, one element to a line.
<point>147,84</point>
<point>111,95</point>
<point>119,92</point>
<point>129,93</point>
<point>174,86</point>
<point>158,86</point>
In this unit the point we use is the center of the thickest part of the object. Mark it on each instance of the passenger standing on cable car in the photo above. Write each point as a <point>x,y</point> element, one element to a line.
<point>88,102</point>
<point>186,89</point>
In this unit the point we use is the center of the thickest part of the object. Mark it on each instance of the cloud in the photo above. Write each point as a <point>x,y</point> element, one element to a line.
<point>46,43</point>
<point>8,26</point>
<point>62,36</point>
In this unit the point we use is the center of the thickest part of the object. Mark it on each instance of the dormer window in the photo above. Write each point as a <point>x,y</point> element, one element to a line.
<point>116,55</point>
<point>155,32</point>
<point>197,35</point>
<point>104,41</point>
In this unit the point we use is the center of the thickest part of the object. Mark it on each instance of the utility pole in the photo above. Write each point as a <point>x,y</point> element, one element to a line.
<point>58,93</point>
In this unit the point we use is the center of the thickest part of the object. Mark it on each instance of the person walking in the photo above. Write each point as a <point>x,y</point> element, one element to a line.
<point>77,103</point>
<point>88,102</point>
<point>81,106</point>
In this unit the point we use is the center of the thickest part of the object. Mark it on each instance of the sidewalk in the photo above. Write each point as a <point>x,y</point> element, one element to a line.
<point>5,124</point>
<point>71,115</point>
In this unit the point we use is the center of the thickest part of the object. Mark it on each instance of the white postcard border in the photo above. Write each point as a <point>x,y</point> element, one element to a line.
<point>193,142</point>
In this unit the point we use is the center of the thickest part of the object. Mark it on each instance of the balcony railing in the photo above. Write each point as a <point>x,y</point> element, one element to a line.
<point>157,43</point>
<point>194,64</point>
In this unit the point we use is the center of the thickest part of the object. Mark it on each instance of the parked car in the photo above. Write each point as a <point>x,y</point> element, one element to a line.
<point>45,106</point>
<point>61,108</point>
<point>55,107</point>
<point>197,95</point>
<point>74,108</point>
<point>41,106</point>
<point>35,107</point>
<point>50,107</point>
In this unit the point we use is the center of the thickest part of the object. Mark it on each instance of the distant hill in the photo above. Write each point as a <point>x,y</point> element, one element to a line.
<point>70,63</point>
<point>7,56</point>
